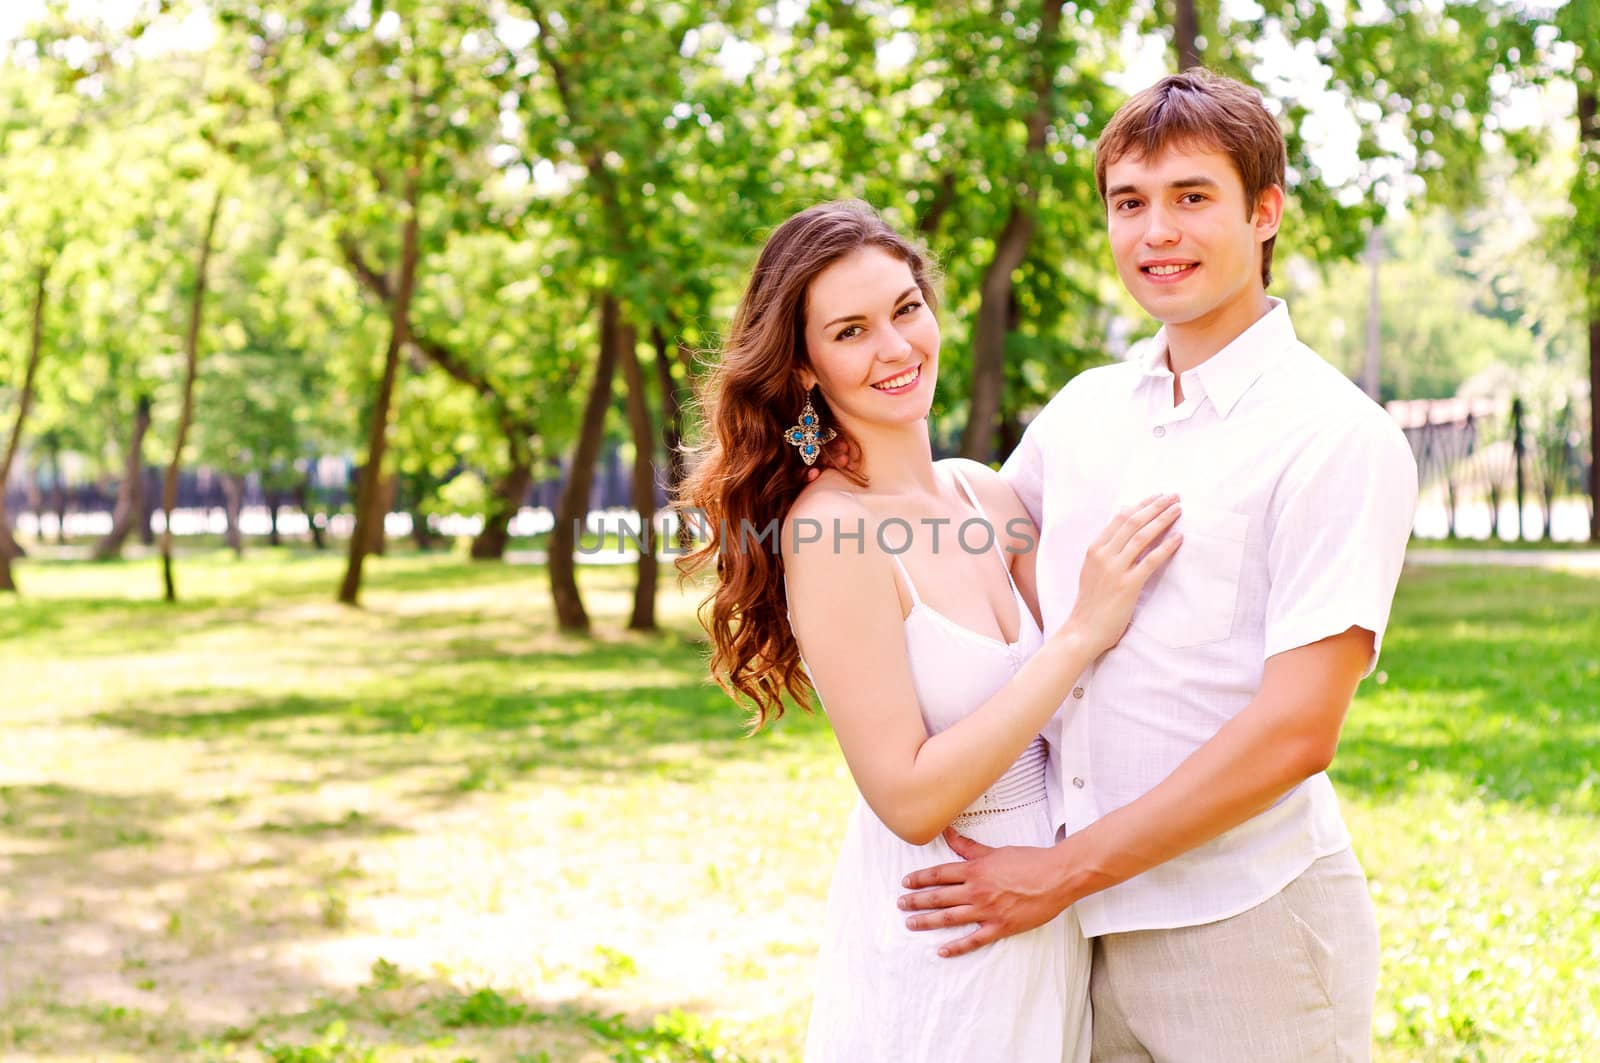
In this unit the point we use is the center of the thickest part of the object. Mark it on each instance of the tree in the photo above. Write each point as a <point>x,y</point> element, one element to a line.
<point>8,546</point>
<point>1439,311</point>
<point>191,360</point>
<point>265,403</point>
<point>1184,31</point>
<point>573,506</point>
<point>381,113</point>
<point>42,198</point>
<point>496,316</point>
<point>1579,24</point>
<point>623,127</point>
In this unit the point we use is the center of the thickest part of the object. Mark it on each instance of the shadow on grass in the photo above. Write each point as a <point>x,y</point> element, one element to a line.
<point>108,889</point>
<point>63,824</point>
<point>63,820</point>
<point>641,703</point>
<point>79,617</point>
<point>599,731</point>
<point>306,1019</point>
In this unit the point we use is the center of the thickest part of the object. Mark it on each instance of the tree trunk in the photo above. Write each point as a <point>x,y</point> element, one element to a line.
<point>489,544</point>
<point>1010,249</point>
<point>672,426</point>
<point>1589,133</point>
<point>191,348</point>
<point>233,503</point>
<point>509,491</point>
<point>671,411</point>
<point>314,518</point>
<point>33,494</point>
<point>414,493</point>
<point>989,334</point>
<point>421,533</point>
<point>8,546</point>
<point>130,493</point>
<point>60,493</point>
<point>150,491</point>
<point>943,199</point>
<point>370,507</point>
<point>1185,35</point>
<point>377,530</point>
<point>274,505</point>
<point>644,479</point>
<point>573,506</point>
<point>1594,404</point>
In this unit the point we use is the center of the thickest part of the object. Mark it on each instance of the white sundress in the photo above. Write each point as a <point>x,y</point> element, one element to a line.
<point>882,993</point>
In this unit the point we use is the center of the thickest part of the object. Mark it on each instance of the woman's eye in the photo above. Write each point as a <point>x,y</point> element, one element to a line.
<point>910,308</point>
<point>848,332</point>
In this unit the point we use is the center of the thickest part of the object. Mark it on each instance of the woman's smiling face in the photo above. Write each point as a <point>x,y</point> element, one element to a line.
<point>872,341</point>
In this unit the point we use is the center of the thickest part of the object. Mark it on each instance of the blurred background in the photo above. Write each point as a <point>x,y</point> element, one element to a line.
<point>305,301</point>
<point>482,248</point>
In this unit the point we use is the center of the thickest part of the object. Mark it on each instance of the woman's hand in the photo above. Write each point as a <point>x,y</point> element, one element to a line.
<point>1117,566</point>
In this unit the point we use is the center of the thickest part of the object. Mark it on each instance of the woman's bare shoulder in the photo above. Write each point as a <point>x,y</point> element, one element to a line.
<point>822,507</point>
<point>991,488</point>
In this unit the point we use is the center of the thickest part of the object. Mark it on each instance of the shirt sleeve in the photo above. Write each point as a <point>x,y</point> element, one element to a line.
<point>1024,469</point>
<point>1340,523</point>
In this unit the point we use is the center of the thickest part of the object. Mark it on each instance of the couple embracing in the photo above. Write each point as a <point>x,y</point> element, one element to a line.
<point>1089,731</point>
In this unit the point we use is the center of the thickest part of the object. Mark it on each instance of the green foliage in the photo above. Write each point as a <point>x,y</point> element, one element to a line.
<point>563,148</point>
<point>1434,336</point>
<point>612,967</point>
<point>333,1048</point>
<point>482,1007</point>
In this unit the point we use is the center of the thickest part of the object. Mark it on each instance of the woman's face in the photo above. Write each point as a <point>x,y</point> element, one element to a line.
<point>873,342</point>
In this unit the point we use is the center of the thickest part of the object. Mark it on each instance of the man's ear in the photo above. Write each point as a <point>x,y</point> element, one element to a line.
<point>1268,213</point>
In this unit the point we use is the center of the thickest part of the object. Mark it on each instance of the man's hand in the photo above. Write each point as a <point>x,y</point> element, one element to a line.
<point>1005,891</point>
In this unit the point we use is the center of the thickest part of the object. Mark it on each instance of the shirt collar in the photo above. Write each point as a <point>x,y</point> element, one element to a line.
<point>1228,374</point>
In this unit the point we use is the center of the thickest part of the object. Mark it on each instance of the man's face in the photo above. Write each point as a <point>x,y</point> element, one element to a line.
<point>1186,245</point>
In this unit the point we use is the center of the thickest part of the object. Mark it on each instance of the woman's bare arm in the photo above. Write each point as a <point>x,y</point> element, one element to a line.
<point>847,620</point>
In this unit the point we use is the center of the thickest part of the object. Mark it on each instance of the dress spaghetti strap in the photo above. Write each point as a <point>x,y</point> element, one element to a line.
<point>911,588</point>
<point>916,599</point>
<point>972,496</point>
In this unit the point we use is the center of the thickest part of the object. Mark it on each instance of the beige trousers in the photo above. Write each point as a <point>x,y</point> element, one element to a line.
<point>1292,980</point>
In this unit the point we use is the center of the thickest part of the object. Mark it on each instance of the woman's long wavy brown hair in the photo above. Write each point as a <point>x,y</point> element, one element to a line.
<point>744,476</point>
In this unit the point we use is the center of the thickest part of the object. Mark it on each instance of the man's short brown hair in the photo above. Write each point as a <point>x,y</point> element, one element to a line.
<point>1204,109</point>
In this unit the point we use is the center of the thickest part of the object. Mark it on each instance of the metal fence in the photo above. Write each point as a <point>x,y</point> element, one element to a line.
<point>1491,466</point>
<point>1520,462</point>
<point>85,505</point>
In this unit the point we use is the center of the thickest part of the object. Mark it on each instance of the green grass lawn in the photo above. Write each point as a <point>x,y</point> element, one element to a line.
<point>259,826</point>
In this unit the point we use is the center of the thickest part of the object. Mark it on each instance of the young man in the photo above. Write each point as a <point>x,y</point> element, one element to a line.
<point>1201,839</point>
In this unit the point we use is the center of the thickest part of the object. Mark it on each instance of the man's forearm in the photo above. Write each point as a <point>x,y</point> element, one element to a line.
<point>1256,758</point>
<point>1287,733</point>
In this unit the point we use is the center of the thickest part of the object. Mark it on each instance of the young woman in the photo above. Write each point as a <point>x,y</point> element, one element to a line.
<point>908,586</point>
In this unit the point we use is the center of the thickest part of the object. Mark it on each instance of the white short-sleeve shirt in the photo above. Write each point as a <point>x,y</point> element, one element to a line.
<point>1298,494</point>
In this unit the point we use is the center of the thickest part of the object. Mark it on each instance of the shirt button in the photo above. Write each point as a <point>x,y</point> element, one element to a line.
<point>1077,692</point>
<point>1077,782</point>
<point>1160,431</point>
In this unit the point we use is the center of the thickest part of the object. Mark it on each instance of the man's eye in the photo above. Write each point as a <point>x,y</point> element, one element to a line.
<point>1126,203</point>
<point>1194,197</point>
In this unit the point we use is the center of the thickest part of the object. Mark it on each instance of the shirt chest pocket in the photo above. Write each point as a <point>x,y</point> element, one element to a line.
<point>1192,600</point>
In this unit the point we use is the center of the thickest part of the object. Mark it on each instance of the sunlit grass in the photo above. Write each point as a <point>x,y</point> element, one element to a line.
<point>258,825</point>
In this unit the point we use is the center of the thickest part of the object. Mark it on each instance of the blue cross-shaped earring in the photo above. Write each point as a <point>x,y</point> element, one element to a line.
<point>809,435</point>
